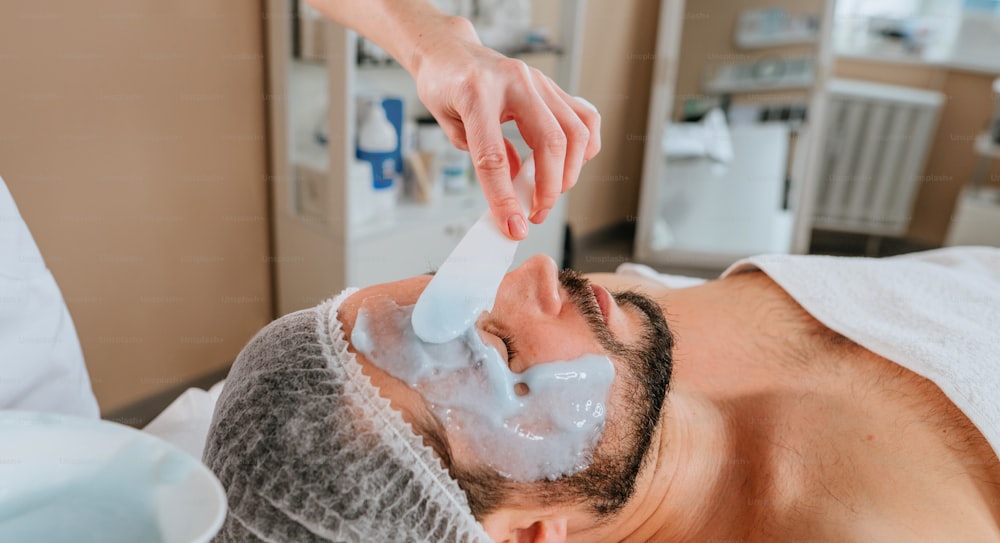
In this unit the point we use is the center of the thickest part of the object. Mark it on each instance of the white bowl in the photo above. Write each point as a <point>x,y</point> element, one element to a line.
<point>66,479</point>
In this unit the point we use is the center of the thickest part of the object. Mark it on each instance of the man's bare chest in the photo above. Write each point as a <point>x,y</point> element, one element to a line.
<point>856,446</point>
<point>834,443</point>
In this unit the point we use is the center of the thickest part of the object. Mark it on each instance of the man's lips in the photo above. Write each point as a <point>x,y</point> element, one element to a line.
<point>604,300</point>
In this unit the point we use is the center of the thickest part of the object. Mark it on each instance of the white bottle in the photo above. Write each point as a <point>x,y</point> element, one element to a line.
<point>377,144</point>
<point>360,193</point>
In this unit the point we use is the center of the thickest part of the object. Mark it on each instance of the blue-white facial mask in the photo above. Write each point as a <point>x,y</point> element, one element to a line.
<point>549,431</point>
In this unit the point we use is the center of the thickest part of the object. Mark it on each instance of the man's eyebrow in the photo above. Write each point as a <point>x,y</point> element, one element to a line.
<point>432,273</point>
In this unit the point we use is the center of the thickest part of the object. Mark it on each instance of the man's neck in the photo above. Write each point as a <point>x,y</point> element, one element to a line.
<point>699,473</point>
<point>686,492</point>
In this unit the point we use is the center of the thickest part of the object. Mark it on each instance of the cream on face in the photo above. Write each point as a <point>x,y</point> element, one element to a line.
<point>548,432</point>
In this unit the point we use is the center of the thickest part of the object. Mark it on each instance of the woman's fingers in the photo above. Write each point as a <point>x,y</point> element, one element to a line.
<point>471,99</point>
<point>577,132</point>
<point>589,115</point>
<point>542,131</point>
<point>491,158</point>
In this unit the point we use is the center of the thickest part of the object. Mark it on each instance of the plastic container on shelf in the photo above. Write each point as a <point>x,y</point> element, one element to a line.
<point>378,144</point>
<point>451,167</point>
<point>455,166</point>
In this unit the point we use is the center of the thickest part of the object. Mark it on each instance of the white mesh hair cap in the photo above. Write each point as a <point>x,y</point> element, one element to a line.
<point>307,450</point>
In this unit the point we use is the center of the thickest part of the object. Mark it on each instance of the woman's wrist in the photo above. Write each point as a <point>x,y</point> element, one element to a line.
<point>444,33</point>
<point>409,30</point>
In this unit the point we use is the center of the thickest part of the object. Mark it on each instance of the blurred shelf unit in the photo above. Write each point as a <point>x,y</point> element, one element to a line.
<point>789,67</point>
<point>315,79</point>
<point>769,73</point>
<point>697,213</point>
<point>775,27</point>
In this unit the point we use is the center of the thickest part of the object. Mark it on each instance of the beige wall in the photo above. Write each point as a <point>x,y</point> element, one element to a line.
<point>132,138</point>
<point>619,41</point>
<point>951,160</point>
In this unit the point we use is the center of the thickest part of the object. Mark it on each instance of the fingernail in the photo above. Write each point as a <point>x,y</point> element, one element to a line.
<point>539,216</point>
<point>518,228</point>
<point>585,102</point>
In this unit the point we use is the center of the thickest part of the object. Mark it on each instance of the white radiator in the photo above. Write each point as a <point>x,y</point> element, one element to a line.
<point>877,141</point>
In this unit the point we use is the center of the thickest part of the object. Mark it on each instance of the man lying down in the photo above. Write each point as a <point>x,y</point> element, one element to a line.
<point>796,398</point>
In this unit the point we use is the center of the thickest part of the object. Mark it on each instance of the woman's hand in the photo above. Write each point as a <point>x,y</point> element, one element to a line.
<point>471,90</point>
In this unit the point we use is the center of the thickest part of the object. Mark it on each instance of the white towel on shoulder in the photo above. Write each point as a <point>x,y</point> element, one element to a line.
<point>936,313</point>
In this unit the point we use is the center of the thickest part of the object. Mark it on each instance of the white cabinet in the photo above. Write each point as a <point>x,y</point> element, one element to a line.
<point>711,215</point>
<point>405,252</point>
<point>317,249</point>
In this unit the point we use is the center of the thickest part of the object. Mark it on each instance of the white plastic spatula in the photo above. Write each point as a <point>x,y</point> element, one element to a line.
<point>466,284</point>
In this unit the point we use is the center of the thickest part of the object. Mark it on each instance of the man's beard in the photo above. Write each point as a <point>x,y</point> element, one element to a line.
<point>608,483</point>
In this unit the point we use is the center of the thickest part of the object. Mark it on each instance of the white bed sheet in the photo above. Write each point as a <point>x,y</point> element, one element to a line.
<point>186,420</point>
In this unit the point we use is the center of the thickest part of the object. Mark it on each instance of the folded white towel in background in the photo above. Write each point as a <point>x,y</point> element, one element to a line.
<point>708,138</point>
<point>935,313</point>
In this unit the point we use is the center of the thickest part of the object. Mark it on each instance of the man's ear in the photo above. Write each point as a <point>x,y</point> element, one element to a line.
<point>543,531</point>
<point>508,526</point>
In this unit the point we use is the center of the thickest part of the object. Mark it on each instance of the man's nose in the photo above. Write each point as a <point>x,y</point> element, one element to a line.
<point>535,282</point>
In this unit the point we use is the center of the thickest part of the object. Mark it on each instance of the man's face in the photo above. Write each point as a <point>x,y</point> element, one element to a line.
<point>539,318</point>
